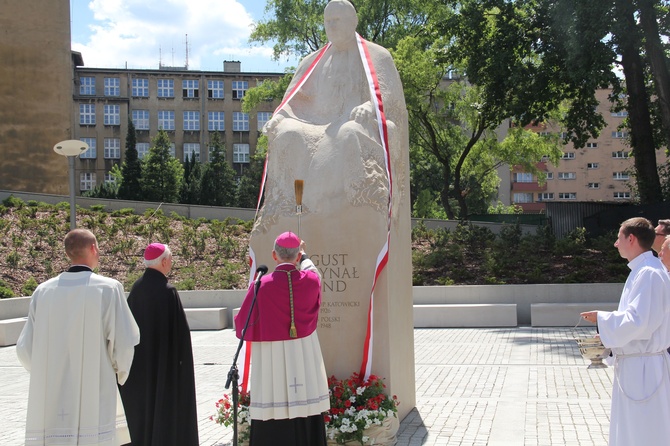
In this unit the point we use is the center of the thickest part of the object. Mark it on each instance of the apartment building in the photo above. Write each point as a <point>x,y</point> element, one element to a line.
<point>600,171</point>
<point>189,105</point>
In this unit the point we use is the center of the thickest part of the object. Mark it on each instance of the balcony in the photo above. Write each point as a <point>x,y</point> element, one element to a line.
<point>532,208</point>
<point>528,187</point>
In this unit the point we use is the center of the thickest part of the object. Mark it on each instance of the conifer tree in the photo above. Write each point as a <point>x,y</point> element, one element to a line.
<point>131,169</point>
<point>218,179</point>
<point>162,173</point>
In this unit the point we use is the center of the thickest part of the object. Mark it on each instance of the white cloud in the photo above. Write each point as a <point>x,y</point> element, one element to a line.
<point>140,32</point>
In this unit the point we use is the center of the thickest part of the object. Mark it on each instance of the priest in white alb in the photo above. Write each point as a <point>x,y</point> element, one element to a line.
<point>79,339</point>
<point>639,334</point>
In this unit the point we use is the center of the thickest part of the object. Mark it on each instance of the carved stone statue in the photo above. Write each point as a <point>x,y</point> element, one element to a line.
<point>342,129</point>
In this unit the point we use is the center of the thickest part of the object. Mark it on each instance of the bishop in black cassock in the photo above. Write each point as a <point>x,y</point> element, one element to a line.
<point>159,395</point>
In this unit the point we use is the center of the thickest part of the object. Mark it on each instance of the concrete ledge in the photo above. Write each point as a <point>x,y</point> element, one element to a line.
<point>565,314</point>
<point>206,318</point>
<point>10,329</point>
<point>465,315</point>
<point>235,311</point>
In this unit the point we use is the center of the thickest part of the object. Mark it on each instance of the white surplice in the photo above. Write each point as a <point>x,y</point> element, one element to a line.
<point>80,336</point>
<point>639,334</point>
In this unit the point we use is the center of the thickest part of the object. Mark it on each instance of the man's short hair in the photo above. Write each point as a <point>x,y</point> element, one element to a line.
<point>77,242</point>
<point>642,229</point>
<point>157,260</point>
<point>287,254</point>
<point>665,225</point>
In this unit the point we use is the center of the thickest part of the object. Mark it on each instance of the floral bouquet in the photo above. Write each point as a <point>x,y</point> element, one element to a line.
<point>224,414</point>
<point>357,405</point>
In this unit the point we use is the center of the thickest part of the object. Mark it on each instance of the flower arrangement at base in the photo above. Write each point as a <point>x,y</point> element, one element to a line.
<point>356,406</point>
<point>224,415</point>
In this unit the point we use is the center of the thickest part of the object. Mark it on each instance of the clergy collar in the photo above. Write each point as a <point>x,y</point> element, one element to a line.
<point>79,268</point>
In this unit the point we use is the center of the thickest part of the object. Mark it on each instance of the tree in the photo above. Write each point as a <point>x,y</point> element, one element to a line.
<point>249,184</point>
<point>162,173</point>
<point>131,169</point>
<point>191,186</point>
<point>218,179</point>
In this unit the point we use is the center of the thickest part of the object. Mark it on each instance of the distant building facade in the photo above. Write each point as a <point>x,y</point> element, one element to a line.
<point>600,171</point>
<point>189,105</point>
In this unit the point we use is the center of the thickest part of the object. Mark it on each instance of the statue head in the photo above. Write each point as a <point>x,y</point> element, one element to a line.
<point>340,21</point>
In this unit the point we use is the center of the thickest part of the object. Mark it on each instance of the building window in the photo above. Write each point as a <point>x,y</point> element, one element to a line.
<point>241,153</point>
<point>172,150</point>
<point>112,86</point>
<point>165,88</point>
<point>523,177</point>
<point>140,119</point>
<point>568,156</point>
<point>87,86</point>
<point>215,121</point>
<point>215,89</point>
<point>191,120</point>
<point>550,175</point>
<point>620,114</point>
<point>140,88</point>
<point>544,196</point>
<point>594,186</point>
<point>87,114</point>
<point>591,165</point>
<point>564,135</point>
<point>91,153</point>
<point>619,135</point>
<point>166,119</point>
<point>239,88</point>
<point>620,176</point>
<point>86,181</point>
<point>142,149</point>
<point>112,114</point>
<point>544,133</point>
<point>190,88</point>
<point>240,122</point>
<point>112,148</point>
<point>109,178</point>
<point>263,118</point>
<point>621,195</point>
<point>591,145</point>
<point>620,154</point>
<point>523,197</point>
<point>567,175</point>
<point>189,149</point>
<point>567,195</point>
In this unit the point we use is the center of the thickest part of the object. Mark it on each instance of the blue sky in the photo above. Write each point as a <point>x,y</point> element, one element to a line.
<point>140,33</point>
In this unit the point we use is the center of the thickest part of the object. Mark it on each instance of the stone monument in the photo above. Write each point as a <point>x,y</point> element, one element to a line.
<point>341,130</point>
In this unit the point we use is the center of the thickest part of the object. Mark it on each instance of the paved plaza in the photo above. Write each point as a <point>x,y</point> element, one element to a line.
<point>482,386</point>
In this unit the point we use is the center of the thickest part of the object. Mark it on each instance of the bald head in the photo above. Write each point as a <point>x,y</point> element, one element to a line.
<point>81,247</point>
<point>340,21</point>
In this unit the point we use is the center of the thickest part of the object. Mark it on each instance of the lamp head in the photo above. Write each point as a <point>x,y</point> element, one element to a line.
<point>71,147</point>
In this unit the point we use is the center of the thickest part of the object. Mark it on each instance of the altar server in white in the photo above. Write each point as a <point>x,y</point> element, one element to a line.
<point>79,338</point>
<point>639,334</point>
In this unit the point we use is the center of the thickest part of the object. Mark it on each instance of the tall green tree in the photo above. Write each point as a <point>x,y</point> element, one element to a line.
<point>218,179</point>
<point>131,169</point>
<point>191,186</point>
<point>162,173</point>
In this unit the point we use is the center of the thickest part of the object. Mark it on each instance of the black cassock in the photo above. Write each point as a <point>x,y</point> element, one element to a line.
<point>159,395</point>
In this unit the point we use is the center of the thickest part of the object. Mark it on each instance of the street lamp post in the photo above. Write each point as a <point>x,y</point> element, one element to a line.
<point>71,148</point>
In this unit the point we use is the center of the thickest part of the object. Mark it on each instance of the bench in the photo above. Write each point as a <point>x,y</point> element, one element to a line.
<point>207,318</point>
<point>10,329</point>
<point>565,314</point>
<point>465,315</point>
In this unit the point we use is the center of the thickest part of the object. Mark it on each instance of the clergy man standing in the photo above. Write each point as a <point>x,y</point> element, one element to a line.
<point>289,386</point>
<point>159,396</point>
<point>639,334</point>
<point>78,340</point>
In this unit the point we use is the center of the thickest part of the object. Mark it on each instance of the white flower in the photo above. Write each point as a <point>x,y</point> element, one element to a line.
<point>365,438</point>
<point>352,399</point>
<point>360,390</point>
